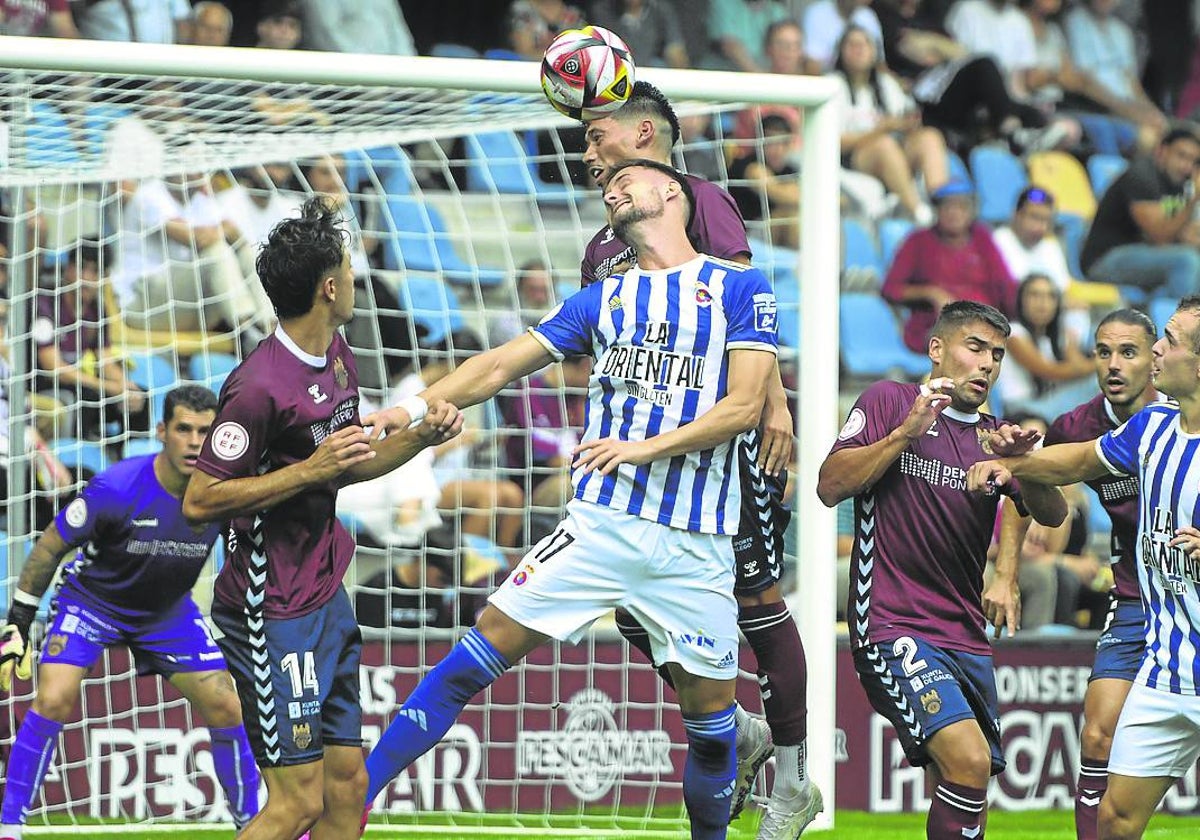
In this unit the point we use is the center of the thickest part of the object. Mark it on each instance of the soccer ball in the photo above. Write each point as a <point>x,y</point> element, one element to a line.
<point>587,73</point>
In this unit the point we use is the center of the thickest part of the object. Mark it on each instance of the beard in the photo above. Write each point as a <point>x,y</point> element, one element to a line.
<point>631,216</point>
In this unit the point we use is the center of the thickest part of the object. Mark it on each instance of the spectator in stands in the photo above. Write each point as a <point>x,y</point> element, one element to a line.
<point>252,205</point>
<point>825,23</point>
<point>1045,372</point>
<point>145,21</point>
<point>356,26</point>
<point>739,28</point>
<point>699,153</point>
<point>1055,82</point>
<point>763,183</point>
<point>212,24</point>
<point>76,366</point>
<point>881,131</point>
<point>955,259</point>
<point>532,25</point>
<point>280,27</point>
<point>962,94</point>
<point>488,507</point>
<point>40,17</point>
<point>1103,45</point>
<point>413,593</point>
<point>649,28</point>
<point>783,45</point>
<point>535,296</point>
<point>327,176</point>
<point>1143,233</point>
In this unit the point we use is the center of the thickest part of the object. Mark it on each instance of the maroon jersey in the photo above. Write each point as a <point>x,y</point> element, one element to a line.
<point>717,229</point>
<point>276,407</point>
<point>921,539</point>
<point>1118,493</point>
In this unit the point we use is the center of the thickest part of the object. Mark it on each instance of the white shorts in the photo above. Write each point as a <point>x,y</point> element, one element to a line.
<point>1158,734</point>
<point>677,584</point>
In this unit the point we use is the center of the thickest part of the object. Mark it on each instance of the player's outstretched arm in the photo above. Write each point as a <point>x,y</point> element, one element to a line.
<point>1045,502</point>
<point>475,380</point>
<point>1002,598</point>
<point>212,499</point>
<point>442,422</point>
<point>1063,463</point>
<point>849,472</point>
<point>738,411</point>
<point>16,654</point>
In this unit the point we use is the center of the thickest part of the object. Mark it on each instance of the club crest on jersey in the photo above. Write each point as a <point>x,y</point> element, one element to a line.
<point>703,295</point>
<point>766,312</point>
<point>931,702</point>
<point>614,303</point>
<point>302,735</point>
<point>339,373</point>
<point>984,436</point>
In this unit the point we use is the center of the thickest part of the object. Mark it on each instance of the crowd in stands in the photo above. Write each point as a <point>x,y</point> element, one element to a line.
<point>1037,155</point>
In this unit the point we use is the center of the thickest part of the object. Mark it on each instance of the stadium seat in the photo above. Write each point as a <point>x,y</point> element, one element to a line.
<point>787,298</point>
<point>1103,170</point>
<point>958,170</point>
<point>81,454</point>
<point>999,177</point>
<point>870,339</point>
<point>48,138</point>
<point>97,120</point>
<point>1073,230</point>
<point>892,232</point>
<point>392,168</point>
<point>432,305</point>
<point>859,253</point>
<point>153,373</point>
<point>419,241</point>
<point>1065,178</point>
<point>448,50</point>
<point>211,369</point>
<point>497,162</point>
<point>1161,309</point>
<point>139,445</point>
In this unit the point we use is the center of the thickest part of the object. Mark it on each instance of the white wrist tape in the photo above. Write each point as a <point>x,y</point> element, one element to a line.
<point>415,407</point>
<point>20,597</point>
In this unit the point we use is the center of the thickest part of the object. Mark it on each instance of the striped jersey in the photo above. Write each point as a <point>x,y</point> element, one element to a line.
<point>660,342</point>
<point>1152,447</point>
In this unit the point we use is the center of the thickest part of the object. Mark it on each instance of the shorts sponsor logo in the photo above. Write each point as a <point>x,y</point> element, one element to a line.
<point>728,660</point>
<point>855,423</point>
<point>302,735</point>
<point>697,639</point>
<point>76,513</point>
<point>230,441</point>
<point>70,623</point>
<point>56,643</point>
<point>931,702</point>
<point>589,752</point>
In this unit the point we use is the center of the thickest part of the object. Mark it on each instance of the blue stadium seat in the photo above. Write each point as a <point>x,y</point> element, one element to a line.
<point>448,50</point>
<point>211,369</point>
<point>859,250</point>
<point>1161,309</point>
<point>48,138</point>
<point>497,161</point>
<point>139,445</point>
<point>153,373</point>
<point>419,241</point>
<point>432,305</point>
<point>957,169</point>
<point>870,339</point>
<point>81,454</point>
<point>391,168</point>
<point>1073,230</point>
<point>892,232</point>
<point>1000,177</point>
<point>97,120</point>
<point>787,297</point>
<point>1103,170</point>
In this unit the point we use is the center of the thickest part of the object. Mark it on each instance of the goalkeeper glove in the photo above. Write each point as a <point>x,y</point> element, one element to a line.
<point>16,654</point>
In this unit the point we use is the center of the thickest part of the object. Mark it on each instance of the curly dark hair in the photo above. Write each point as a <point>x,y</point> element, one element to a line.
<point>298,253</point>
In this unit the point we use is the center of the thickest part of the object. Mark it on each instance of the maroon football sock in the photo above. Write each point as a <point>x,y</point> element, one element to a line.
<point>1093,781</point>
<point>782,669</point>
<point>958,812</point>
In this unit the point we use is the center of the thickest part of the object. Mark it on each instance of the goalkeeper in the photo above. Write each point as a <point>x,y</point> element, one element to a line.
<point>128,584</point>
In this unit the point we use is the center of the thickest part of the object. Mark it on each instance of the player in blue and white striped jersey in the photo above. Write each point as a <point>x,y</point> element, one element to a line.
<point>1157,739</point>
<point>682,343</point>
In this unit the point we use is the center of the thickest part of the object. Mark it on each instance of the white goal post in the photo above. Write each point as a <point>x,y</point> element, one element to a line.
<point>819,254</point>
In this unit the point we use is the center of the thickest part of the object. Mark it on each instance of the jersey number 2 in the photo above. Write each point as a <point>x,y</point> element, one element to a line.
<point>291,666</point>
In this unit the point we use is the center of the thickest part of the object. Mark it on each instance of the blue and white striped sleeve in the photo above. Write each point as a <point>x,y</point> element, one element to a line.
<point>752,313</point>
<point>1118,449</point>
<point>568,329</point>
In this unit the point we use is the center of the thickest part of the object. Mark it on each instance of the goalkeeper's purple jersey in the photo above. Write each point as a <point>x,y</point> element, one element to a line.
<point>275,409</point>
<point>717,229</point>
<point>137,554</point>
<point>920,539</point>
<point>1118,493</point>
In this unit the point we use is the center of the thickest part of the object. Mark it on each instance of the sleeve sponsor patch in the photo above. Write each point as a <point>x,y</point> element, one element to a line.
<point>230,441</point>
<point>854,424</point>
<point>766,313</point>
<point>76,513</point>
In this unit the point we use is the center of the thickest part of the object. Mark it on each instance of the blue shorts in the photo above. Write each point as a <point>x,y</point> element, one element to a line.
<point>1121,646</point>
<point>297,678</point>
<point>172,642</point>
<point>921,688</point>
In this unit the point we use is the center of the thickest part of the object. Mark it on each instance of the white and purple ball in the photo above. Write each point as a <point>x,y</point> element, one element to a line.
<point>587,73</point>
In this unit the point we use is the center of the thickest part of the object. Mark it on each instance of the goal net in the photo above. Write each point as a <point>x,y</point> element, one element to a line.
<point>135,184</point>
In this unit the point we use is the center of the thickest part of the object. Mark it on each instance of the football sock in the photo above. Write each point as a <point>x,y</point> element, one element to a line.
<point>957,813</point>
<point>637,636</point>
<point>234,765</point>
<point>471,666</point>
<point>1093,781</point>
<point>708,774</point>
<point>771,633</point>
<point>32,752</point>
<point>791,770</point>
